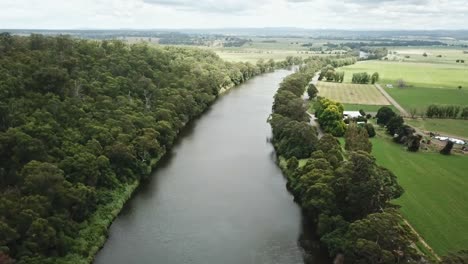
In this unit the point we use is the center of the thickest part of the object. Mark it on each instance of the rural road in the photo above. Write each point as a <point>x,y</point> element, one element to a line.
<point>403,112</point>
<point>316,125</point>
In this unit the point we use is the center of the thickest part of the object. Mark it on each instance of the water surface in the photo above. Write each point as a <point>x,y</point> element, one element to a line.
<point>218,197</point>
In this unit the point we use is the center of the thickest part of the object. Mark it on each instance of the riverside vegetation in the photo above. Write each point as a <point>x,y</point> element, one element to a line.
<point>81,124</point>
<point>345,193</point>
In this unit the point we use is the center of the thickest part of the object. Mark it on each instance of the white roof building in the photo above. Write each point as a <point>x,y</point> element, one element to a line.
<point>351,114</point>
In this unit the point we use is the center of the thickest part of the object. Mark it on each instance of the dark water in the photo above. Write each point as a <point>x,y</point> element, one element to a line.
<point>218,197</point>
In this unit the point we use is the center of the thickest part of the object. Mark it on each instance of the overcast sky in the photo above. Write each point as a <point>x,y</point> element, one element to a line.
<point>314,14</point>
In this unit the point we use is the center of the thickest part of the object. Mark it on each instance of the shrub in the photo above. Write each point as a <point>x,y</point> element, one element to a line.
<point>447,150</point>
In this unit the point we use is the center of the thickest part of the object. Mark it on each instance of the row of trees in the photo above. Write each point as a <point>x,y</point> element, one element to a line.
<point>447,111</point>
<point>396,127</point>
<point>328,73</point>
<point>81,120</point>
<point>365,78</point>
<point>346,195</point>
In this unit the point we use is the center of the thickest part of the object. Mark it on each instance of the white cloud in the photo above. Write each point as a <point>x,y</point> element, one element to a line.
<point>345,14</point>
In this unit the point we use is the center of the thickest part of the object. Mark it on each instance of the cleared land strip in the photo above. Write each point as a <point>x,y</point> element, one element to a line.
<point>391,100</point>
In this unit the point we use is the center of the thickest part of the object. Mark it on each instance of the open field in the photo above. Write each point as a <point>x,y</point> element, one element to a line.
<point>453,127</point>
<point>421,98</point>
<point>435,193</point>
<point>253,55</point>
<point>352,93</point>
<point>448,55</point>
<point>366,108</point>
<point>421,75</point>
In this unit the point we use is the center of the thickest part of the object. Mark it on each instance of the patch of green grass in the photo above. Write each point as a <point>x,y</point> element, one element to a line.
<point>435,195</point>
<point>416,74</point>
<point>421,98</point>
<point>455,127</point>
<point>366,108</point>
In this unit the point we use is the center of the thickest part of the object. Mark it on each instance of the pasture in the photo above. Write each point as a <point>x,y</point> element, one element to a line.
<point>421,75</point>
<point>362,94</point>
<point>253,55</point>
<point>449,127</point>
<point>445,55</point>
<point>367,108</point>
<point>421,98</point>
<point>435,195</point>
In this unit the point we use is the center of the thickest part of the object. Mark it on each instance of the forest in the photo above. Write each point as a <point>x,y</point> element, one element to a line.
<point>82,122</point>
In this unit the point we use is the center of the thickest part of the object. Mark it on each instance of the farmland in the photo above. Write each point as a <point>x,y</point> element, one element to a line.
<point>429,80</point>
<point>452,127</point>
<point>435,193</point>
<point>352,93</point>
<point>421,75</point>
<point>366,108</point>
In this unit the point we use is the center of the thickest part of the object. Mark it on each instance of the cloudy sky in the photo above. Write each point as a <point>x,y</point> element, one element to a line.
<point>314,14</point>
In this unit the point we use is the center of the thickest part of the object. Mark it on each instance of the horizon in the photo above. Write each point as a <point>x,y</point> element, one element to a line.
<point>203,14</point>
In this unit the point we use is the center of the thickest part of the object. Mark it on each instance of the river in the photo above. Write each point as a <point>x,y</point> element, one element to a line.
<point>218,196</point>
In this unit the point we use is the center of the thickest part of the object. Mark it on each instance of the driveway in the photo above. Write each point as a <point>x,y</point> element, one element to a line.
<point>403,112</point>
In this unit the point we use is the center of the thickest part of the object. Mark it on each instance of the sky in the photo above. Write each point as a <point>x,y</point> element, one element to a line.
<point>173,14</point>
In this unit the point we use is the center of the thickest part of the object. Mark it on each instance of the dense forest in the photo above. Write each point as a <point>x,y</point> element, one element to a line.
<point>344,193</point>
<point>81,123</point>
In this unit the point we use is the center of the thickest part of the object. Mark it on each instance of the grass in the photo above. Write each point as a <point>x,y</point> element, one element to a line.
<point>448,55</point>
<point>453,127</point>
<point>253,55</point>
<point>435,193</point>
<point>416,74</point>
<point>346,93</point>
<point>420,98</point>
<point>428,81</point>
<point>366,108</point>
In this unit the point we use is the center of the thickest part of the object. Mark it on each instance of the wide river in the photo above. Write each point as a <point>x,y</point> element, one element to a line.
<point>218,196</point>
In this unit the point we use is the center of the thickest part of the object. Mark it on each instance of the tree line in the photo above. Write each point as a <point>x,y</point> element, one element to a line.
<point>365,78</point>
<point>396,127</point>
<point>447,111</point>
<point>82,121</point>
<point>346,194</point>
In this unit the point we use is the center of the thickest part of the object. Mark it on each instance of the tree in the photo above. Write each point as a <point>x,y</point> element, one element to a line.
<point>447,150</point>
<point>380,238</point>
<point>401,83</point>
<point>370,130</point>
<point>43,178</point>
<point>464,113</point>
<point>460,257</point>
<point>361,78</point>
<point>413,112</point>
<point>293,163</point>
<point>362,187</point>
<point>375,77</point>
<point>384,115</point>
<point>298,140</point>
<point>394,125</point>
<point>312,91</point>
<point>356,138</point>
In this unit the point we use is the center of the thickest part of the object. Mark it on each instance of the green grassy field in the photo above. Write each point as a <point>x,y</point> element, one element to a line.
<point>428,82</point>
<point>435,193</point>
<point>352,93</point>
<point>366,108</point>
<point>421,98</point>
<point>253,55</point>
<point>455,127</point>
<point>421,75</point>
<point>448,55</point>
